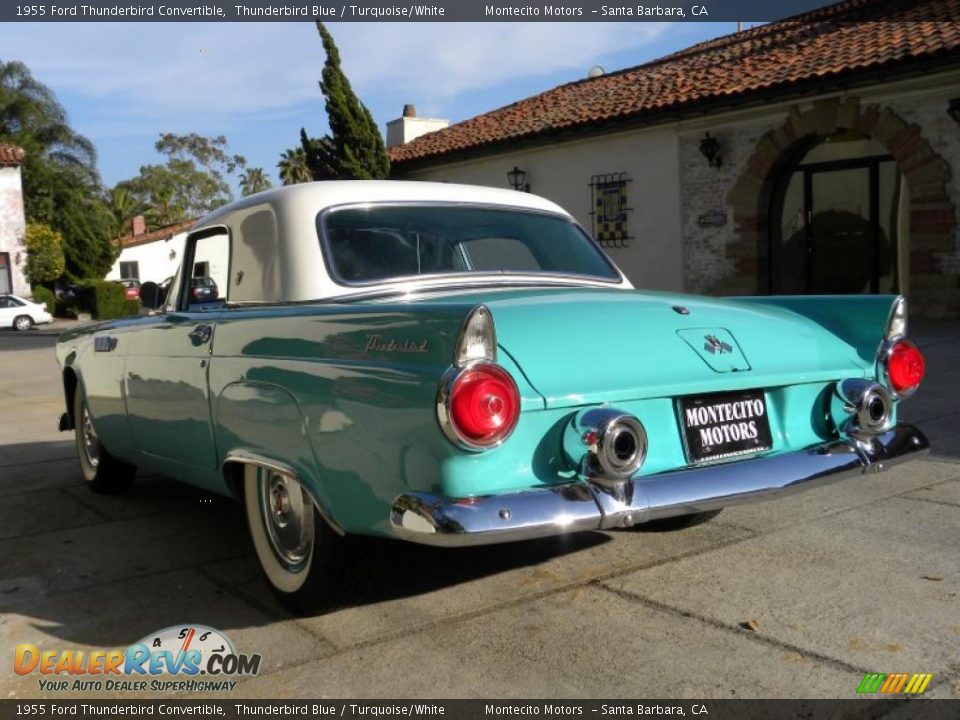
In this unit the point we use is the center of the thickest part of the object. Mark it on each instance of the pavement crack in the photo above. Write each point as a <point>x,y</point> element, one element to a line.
<point>930,500</point>
<point>757,637</point>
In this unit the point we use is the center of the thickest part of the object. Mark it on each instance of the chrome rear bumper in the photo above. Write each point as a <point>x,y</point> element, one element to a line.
<point>433,520</point>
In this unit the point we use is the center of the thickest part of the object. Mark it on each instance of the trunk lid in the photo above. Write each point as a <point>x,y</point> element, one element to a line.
<point>586,346</point>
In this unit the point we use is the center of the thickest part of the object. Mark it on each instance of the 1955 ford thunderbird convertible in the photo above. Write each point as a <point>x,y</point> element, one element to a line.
<point>458,365</point>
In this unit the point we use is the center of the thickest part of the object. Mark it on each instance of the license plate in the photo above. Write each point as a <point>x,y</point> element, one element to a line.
<point>725,425</point>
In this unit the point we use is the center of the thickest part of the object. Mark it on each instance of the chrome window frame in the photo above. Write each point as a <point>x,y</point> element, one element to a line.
<point>337,279</point>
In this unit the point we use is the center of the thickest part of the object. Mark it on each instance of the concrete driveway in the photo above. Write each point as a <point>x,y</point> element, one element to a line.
<point>794,598</point>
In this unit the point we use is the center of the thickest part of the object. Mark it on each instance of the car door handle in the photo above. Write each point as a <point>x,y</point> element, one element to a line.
<point>200,335</point>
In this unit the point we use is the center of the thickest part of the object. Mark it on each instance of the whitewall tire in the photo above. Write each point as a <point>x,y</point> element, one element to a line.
<point>309,567</point>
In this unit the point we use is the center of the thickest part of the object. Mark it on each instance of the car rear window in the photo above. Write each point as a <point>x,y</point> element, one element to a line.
<point>376,243</point>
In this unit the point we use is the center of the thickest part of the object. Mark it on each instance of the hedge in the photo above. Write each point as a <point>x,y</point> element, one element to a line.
<point>104,300</point>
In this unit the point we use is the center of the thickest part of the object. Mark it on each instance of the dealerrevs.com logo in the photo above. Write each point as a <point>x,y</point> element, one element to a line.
<point>175,659</point>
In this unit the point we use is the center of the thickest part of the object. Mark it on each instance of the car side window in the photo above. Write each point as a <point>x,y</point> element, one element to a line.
<point>209,273</point>
<point>9,302</point>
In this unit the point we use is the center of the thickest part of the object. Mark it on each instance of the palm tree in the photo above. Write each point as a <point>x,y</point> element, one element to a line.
<point>31,117</point>
<point>123,208</point>
<point>254,180</point>
<point>61,185</point>
<point>293,167</point>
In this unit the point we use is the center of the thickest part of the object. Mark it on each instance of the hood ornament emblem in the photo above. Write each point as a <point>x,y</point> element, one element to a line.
<point>716,346</point>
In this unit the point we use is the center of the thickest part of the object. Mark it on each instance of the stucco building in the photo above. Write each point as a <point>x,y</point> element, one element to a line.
<point>150,256</point>
<point>816,154</point>
<point>13,252</point>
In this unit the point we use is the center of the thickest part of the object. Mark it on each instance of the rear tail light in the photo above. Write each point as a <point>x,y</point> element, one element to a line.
<point>478,404</point>
<point>905,367</point>
<point>481,407</point>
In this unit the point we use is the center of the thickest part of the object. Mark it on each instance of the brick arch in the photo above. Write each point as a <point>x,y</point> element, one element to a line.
<point>932,213</point>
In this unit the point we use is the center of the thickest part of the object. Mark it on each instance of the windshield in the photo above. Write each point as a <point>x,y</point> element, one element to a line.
<point>387,242</point>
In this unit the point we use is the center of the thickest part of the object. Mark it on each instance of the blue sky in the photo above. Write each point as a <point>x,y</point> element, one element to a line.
<point>125,83</point>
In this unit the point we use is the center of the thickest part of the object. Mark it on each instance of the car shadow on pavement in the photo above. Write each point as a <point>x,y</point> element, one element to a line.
<point>101,570</point>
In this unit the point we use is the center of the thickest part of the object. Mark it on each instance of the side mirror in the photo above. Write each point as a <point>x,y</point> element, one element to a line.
<point>151,296</point>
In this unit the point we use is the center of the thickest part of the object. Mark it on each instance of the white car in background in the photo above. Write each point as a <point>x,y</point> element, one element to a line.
<point>20,314</point>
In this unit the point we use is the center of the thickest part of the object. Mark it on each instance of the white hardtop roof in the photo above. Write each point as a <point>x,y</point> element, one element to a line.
<point>325,194</point>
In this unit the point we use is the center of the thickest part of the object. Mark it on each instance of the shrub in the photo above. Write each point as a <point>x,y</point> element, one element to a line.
<point>44,296</point>
<point>45,261</point>
<point>104,300</point>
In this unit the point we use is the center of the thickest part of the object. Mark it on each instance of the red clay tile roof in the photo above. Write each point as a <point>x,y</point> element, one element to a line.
<point>163,233</point>
<point>10,155</point>
<point>833,43</point>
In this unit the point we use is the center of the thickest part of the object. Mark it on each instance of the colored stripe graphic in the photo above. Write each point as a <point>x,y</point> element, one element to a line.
<point>894,683</point>
<point>918,683</point>
<point>871,682</point>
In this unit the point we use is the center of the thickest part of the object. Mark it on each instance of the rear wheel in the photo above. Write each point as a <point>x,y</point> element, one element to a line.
<point>309,567</point>
<point>22,322</point>
<point>102,472</point>
<point>679,522</point>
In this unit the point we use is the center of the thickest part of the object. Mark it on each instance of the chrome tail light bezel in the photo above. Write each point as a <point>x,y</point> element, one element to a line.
<point>445,417</point>
<point>883,367</point>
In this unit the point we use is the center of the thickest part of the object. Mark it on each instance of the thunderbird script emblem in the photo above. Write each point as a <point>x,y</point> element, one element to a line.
<point>716,346</point>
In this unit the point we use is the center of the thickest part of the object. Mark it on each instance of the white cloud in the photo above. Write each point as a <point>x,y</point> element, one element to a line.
<point>165,74</point>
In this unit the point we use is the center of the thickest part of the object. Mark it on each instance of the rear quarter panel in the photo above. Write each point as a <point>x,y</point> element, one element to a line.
<point>317,388</point>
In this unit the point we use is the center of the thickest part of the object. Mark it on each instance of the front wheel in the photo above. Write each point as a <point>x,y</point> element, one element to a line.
<point>22,322</point>
<point>309,567</point>
<point>101,471</point>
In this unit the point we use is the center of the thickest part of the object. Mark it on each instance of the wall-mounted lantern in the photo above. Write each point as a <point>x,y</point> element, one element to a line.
<point>710,149</point>
<point>518,179</point>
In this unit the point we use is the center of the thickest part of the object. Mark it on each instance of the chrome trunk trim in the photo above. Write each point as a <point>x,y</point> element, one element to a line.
<point>433,520</point>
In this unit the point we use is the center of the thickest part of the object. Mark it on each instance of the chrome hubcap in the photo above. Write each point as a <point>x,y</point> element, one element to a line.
<point>288,516</point>
<point>91,445</point>
<point>23,324</point>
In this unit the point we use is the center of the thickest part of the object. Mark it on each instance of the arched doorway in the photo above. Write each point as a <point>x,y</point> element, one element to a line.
<point>919,234</point>
<point>836,223</point>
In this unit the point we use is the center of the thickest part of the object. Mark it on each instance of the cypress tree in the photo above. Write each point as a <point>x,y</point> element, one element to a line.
<point>354,149</point>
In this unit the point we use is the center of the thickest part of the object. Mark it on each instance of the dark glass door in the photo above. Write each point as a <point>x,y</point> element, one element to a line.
<point>6,282</point>
<point>837,231</point>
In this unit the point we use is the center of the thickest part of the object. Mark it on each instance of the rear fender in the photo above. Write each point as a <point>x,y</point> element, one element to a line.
<point>859,320</point>
<point>261,424</point>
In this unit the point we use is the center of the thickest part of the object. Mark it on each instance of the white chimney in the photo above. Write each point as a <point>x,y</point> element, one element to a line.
<point>406,128</point>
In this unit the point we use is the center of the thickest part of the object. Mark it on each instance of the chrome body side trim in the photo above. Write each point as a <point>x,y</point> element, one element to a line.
<point>246,457</point>
<point>576,506</point>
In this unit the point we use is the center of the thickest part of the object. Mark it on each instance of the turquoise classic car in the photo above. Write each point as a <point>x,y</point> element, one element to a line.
<point>457,365</point>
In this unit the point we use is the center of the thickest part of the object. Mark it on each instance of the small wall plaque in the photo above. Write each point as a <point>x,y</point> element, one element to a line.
<point>712,218</point>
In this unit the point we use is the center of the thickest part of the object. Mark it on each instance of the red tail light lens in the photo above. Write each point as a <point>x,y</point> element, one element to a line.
<point>484,405</point>
<point>905,366</point>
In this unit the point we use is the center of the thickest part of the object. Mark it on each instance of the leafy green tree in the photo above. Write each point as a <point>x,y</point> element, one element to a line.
<point>293,167</point>
<point>45,260</point>
<point>191,183</point>
<point>254,180</point>
<point>354,149</point>
<point>61,186</point>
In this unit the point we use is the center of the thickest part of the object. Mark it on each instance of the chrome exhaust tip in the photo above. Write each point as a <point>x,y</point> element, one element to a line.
<point>861,407</point>
<point>606,443</point>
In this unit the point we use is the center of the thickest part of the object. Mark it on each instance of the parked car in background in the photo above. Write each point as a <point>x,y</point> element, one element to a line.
<point>21,314</point>
<point>131,288</point>
<point>456,365</point>
<point>204,289</point>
